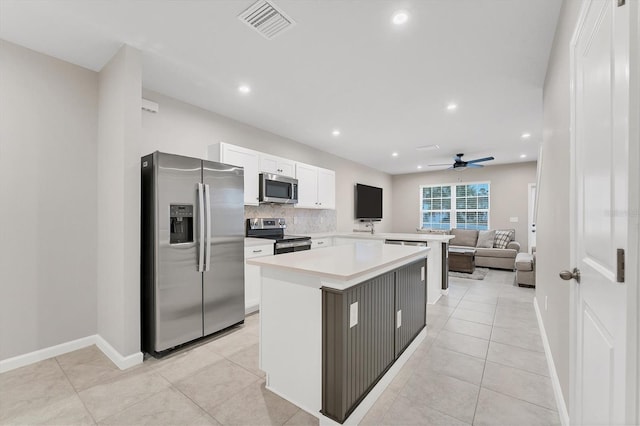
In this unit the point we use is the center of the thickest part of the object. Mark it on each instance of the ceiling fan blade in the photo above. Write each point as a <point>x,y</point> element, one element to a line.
<point>438,165</point>
<point>478,160</point>
<point>474,166</point>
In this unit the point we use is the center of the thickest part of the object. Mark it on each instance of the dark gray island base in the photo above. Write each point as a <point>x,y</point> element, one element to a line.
<point>392,311</point>
<point>337,324</point>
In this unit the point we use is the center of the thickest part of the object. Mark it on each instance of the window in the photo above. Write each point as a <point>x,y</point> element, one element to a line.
<point>464,206</point>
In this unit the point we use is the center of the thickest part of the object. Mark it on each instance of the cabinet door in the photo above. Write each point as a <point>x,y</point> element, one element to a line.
<point>268,164</point>
<point>277,165</point>
<point>307,185</point>
<point>252,277</point>
<point>326,189</point>
<point>249,160</point>
<point>357,342</point>
<point>411,302</point>
<point>320,242</point>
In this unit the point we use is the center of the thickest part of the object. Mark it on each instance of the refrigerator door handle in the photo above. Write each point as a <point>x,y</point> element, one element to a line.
<point>201,240</point>
<point>207,197</point>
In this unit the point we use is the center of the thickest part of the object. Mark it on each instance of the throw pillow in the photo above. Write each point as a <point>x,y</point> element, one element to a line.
<point>486,239</point>
<point>503,238</point>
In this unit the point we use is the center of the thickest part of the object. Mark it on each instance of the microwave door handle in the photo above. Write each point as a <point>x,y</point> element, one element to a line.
<point>207,197</point>
<point>201,228</point>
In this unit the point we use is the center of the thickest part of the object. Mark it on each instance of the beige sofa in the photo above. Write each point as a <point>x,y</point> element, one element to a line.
<point>487,255</point>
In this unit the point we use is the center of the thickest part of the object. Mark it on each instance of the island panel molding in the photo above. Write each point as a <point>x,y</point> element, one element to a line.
<point>391,313</point>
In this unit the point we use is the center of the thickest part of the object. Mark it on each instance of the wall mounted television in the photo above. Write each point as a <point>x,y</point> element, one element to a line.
<point>368,202</point>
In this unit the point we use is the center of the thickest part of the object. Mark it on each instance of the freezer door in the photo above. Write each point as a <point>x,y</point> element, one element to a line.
<point>178,286</point>
<point>223,282</point>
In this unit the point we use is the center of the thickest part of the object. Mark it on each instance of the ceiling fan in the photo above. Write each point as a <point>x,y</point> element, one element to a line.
<point>458,164</point>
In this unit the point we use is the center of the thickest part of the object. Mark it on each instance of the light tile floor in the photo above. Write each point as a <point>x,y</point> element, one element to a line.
<point>482,363</point>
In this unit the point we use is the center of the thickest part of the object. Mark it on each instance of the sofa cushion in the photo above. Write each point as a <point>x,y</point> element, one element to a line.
<point>486,239</point>
<point>503,237</point>
<point>494,252</point>
<point>464,237</point>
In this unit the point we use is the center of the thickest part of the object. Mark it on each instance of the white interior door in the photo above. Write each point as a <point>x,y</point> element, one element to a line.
<point>600,59</point>
<point>532,216</point>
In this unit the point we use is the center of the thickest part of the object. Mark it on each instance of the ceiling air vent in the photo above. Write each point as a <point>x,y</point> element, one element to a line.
<point>266,18</point>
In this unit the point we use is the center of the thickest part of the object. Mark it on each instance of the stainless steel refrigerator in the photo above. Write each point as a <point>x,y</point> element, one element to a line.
<point>192,253</point>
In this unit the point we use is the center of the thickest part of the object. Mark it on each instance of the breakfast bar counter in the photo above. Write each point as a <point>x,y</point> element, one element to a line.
<point>337,324</point>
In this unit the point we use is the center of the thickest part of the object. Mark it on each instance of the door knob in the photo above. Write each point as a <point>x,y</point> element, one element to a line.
<point>575,274</point>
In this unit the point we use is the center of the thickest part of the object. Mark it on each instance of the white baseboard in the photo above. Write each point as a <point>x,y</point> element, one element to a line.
<point>251,306</point>
<point>46,353</point>
<point>555,381</point>
<point>122,362</point>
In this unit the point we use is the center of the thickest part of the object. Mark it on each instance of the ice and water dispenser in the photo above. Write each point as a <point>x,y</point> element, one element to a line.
<point>180,223</point>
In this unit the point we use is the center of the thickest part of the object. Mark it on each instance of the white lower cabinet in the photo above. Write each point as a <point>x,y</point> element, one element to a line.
<point>340,241</point>
<point>321,242</point>
<point>252,276</point>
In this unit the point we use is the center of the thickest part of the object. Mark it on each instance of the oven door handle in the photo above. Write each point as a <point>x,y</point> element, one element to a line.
<point>293,244</point>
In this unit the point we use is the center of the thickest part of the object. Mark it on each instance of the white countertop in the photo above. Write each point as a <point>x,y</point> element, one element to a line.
<point>343,263</point>
<point>253,242</point>
<point>386,236</point>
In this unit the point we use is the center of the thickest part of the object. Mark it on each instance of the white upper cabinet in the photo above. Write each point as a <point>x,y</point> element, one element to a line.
<point>326,188</point>
<point>277,165</point>
<point>243,157</point>
<point>316,187</point>
<point>307,186</point>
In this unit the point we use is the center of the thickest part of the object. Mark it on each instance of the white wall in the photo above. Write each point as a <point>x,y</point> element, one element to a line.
<point>48,113</point>
<point>184,129</point>
<point>508,195</point>
<point>552,225</point>
<point>118,282</point>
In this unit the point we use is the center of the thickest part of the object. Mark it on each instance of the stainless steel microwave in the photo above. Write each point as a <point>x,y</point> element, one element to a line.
<point>278,189</point>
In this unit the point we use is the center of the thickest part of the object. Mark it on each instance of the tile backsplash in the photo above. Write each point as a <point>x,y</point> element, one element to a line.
<point>299,221</point>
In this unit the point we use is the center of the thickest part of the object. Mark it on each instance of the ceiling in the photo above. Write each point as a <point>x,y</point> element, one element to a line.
<point>344,65</point>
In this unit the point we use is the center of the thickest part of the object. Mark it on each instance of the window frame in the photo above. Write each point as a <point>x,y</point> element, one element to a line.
<point>453,211</point>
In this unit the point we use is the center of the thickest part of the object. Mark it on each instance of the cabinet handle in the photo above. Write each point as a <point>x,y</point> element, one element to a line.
<point>320,242</point>
<point>257,251</point>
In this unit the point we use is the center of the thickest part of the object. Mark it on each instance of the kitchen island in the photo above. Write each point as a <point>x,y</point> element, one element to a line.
<point>438,256</point>
<point>337,324</point>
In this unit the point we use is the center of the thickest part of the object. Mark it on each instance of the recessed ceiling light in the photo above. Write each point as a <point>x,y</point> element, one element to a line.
<point>452,107</point>
<point>336,132</point>
<point>400,17</point>
<point>526,135</point>
<point>244,89</point>
<point>523,156</point>
<point>419,167</point>
<point>395,154</point>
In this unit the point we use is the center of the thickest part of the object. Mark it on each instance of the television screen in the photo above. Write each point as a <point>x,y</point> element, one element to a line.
<point>368,201</point>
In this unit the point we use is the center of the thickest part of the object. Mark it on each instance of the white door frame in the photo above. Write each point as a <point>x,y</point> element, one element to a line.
<point>531,216</point>
<point>633,271</point>
<point>632,257</point>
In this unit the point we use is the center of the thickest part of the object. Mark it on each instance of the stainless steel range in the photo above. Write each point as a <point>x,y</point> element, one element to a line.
<point>273,228</point>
